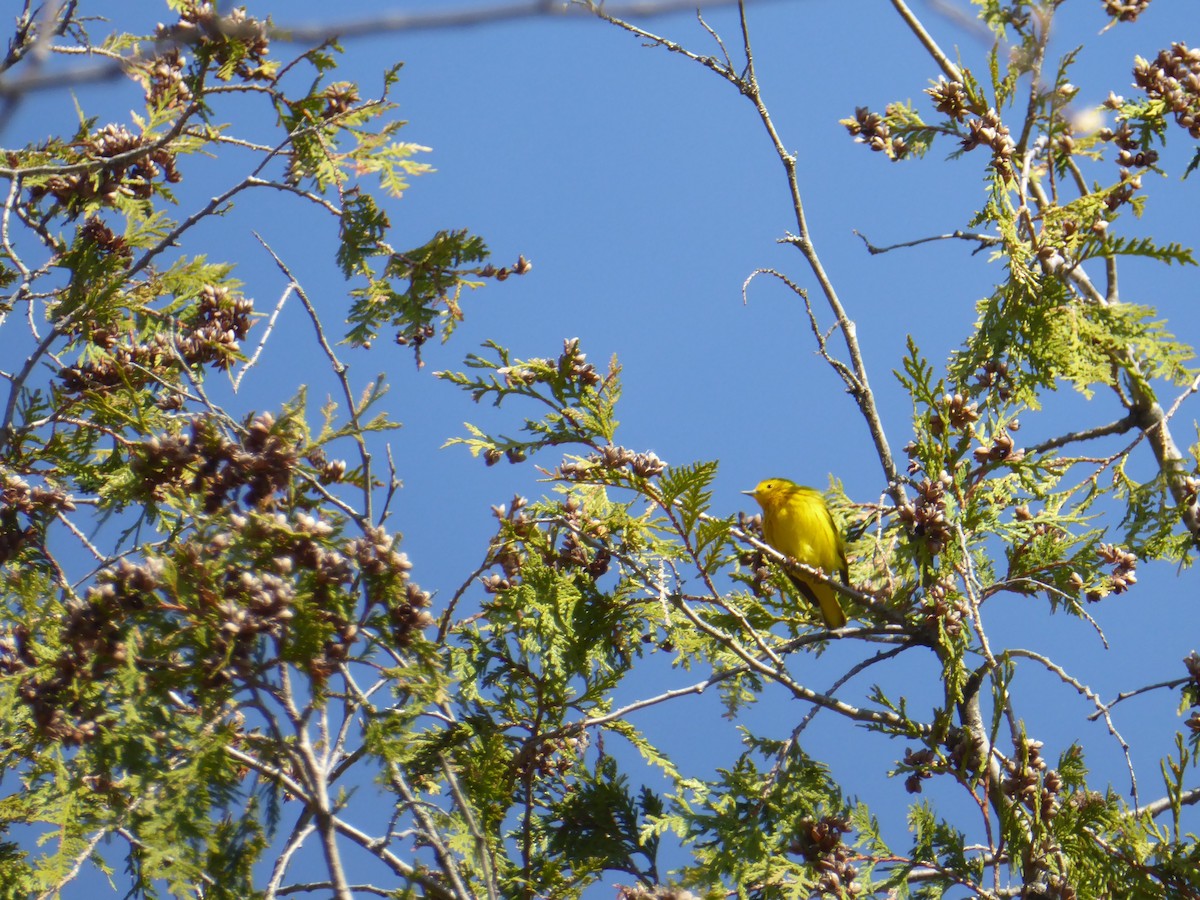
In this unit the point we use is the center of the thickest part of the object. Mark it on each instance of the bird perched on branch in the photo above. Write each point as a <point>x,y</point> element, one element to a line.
<point>797,523</point>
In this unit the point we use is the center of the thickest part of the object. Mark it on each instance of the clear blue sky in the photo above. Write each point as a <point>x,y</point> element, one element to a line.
<point>644,191</point>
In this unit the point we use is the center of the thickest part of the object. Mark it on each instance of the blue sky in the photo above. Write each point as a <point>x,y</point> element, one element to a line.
<point>644,191</point>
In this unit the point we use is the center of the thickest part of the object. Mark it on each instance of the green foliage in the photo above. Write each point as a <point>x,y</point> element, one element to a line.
<point>435,274</point>
<point>244,646</point>
<point>1045,336</point>
<point>1193,165</point>
<point>944,847</point>
<point>230,579</point>
<point>1169,253</point>
<point>778,829</point>
<point>581,401</point>
<point>599,825</point>
<point>687,488</point>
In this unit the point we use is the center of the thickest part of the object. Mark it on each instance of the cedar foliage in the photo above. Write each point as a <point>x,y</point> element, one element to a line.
<point>210,630</point>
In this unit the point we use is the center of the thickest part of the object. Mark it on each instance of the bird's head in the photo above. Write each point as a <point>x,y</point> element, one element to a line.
<point>772,487</point>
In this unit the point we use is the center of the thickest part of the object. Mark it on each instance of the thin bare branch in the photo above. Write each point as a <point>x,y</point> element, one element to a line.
<point>1164,804</point>
<point>339,370</point>
<point>14,89</point>
<point>983,240</point>
<point>927,41</point>
<point>1088,434</point>
<point>1091,695</point>
<point>1171,685</point>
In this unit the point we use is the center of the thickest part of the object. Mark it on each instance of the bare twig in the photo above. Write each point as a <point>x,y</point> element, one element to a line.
<point>1164,804</point>
<point>858,667</point>
<point>303,828</point>
<point>1091,695</point>
<point>1126,695</point>
<point>14,89</point>
<point>339,370</point>
<point>1118,427</point>
<point>80,858</point>
<point>313,886</point>
<point>448,615</point>
<point>821,337</point>
<point>984,240</point>
<point>429,831</point>
<point>262,341</point>
<point>484,850</point>
<point>377,847</point>
<point>927,41</point>
<point>780,676</point>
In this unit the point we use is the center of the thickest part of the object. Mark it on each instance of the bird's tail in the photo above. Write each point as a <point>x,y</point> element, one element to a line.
<point>824,598</point>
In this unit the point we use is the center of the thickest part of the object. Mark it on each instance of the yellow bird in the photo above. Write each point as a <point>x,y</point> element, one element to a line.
<point>797,523</point>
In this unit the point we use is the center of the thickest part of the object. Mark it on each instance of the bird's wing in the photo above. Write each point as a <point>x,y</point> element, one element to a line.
<point>843,569</point>
<point>805,590</point>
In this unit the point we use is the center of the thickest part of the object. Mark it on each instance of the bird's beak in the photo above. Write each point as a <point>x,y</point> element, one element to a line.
<point>748,493</point>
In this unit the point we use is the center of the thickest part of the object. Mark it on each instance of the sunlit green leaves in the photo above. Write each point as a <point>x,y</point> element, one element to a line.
<point>599,826</point>
<point>417,292</point>
<point>580,401</point>
<point>779,828</point>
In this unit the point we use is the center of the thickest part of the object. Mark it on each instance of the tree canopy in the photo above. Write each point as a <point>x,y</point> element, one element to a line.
<point>219,676</point>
